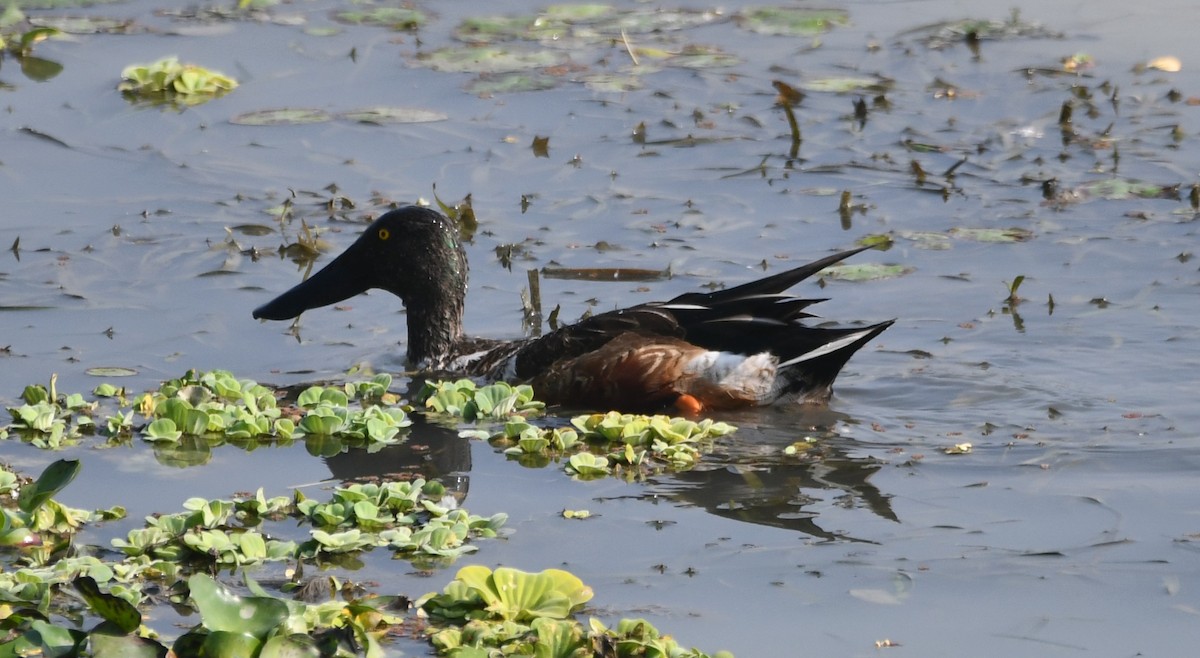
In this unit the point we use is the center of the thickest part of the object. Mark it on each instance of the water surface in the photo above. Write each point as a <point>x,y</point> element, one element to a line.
<point>1070,526</point>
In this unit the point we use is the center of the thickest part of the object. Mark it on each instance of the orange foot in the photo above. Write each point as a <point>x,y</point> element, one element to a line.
<point>688,405</point>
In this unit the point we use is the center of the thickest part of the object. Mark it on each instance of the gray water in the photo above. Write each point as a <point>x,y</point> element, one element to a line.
<point>1069,528</point>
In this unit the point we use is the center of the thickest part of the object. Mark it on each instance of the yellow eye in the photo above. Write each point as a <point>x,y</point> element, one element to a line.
<point>384,234</point>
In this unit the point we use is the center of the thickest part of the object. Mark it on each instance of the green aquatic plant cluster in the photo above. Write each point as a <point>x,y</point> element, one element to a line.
<point>480,612</point>
<point>31,518</point>
<point>510,612</point>
<point>595,445</point>
<point>264,625</point>
<point>416,519</point>
<point>527,52</point>
<point>396,18</point>
<point>168,82</point>
<point>46,577</point>
<point>634,446</point>
<point>186,416</point>
<point>464,398</point>
<point>18,42</point>
<point>48,421</point>
<point>230,624</point>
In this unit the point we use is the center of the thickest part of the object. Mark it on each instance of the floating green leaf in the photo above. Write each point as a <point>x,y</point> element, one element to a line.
<point>613,82</point>
<point>943,34</point>
<point>111,371</point>
<point>791,21</point>
<point>927,239</point>
<point>382,115</point>
<point>84,24</point>
<point>489,59</point>
<point>703,57</point>
<point>1114,189</point>
<point>992,234</point>
<point>485,613</point>
<point>323,421</point>
<point>490,29</point>
<point>580,24</point>
<point>52,640</point>
<point>162,429</point>
<point>282,117</point>
<point>577,13</point>
<point>587,466</point>
<point>115,610</point>
<point>225,611</point>
<point>509,83</point>
<point>657,19</point>
<point>52,480</point>
<point>396,18</point>
<point>511,594</point>
<point>865,271</point>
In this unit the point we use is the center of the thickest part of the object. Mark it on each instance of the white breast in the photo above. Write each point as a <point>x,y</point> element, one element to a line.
<point>749,377</point>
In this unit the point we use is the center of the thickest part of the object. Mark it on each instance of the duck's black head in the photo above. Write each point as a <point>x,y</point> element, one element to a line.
<point>413,253</point>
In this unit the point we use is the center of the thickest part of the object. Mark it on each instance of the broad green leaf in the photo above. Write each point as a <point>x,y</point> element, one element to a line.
<point>162,429</point>
<point>35,394</point>
<point>105,645</point>
<point>231,644</point>
<point>222,610</point>
<point>112,609</point>
<point>516,595</point>
<point>56,640</point>
<point>294,645</point>
<point>52,480</point>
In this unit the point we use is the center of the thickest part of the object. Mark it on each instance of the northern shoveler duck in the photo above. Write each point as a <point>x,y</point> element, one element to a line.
<point>738,347</point>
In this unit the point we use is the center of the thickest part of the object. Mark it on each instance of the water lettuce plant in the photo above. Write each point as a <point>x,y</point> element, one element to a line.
<point>187,416</point>
<point>167,82</point>
<point>464,398</point>
<point>37,519</point>
<point>230,624</point>
<point>595,445</point>
<point>46,592</point>
<point>415,519</point>
<point>627,445</point>
<point>46,597</point>
<point>411,518</point>
<point>511,612</point>
<point>47,421</point>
